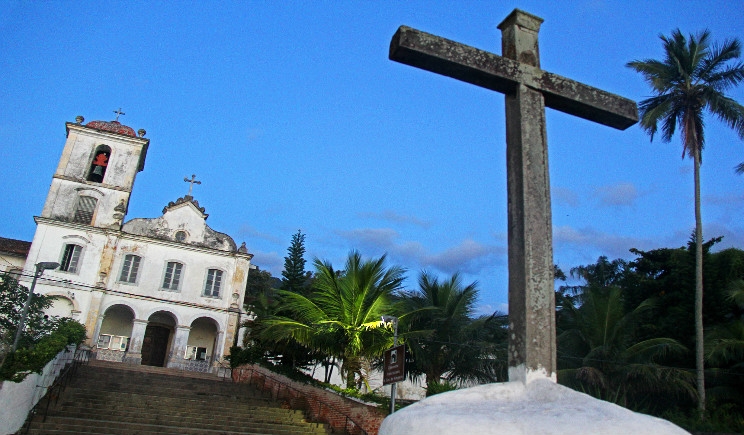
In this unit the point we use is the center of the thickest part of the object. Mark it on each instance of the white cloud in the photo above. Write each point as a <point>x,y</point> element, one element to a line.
<point>590,243</point>
<point>391,216</point>
<point>469,256</point>
<point>269,261</point>
<point>620,194</point>
<point>251,233</point>
<point>565,196</point>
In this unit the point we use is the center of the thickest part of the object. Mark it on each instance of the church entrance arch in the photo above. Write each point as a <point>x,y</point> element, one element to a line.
<point>158,336</point>
<point>115,333</point>
<point>202,340</point>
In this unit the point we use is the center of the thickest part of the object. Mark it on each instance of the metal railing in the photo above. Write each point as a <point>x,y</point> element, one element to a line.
<point>82,356</point>
<point>316,409</point>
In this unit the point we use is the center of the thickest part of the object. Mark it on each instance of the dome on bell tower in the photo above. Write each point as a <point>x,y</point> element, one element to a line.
<point>113,127</point>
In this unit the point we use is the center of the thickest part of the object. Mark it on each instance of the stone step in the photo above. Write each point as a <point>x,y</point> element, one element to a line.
<point>246,411</point>
<point>191,420</point>
<point>207,403</point>
<point>118,399</point>
<point>172,391</point>
<point>59,421</point>
<point>60,425</point>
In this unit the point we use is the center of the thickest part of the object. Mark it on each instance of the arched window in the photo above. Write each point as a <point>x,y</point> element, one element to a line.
<point>99,164</point>
<point>84,209</point>
<point>130,268</point>
<point>212,283</point>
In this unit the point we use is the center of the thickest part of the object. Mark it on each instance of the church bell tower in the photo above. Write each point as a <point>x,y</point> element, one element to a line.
<point>94,179</point>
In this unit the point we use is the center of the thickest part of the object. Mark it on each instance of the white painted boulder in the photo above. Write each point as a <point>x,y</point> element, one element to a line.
<point>542,407</point>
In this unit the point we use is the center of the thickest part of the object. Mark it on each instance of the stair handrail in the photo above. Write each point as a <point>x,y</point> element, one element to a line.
<point>81,357</point>
<point>320,403</point>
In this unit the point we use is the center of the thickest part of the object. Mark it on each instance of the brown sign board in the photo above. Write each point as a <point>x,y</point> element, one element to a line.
<point>395,363</point>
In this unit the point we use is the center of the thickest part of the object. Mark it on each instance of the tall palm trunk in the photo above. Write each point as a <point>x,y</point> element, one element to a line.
<point>699,343</point>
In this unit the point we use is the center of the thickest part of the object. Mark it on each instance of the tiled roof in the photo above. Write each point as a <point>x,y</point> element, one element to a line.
<point>13,246</point>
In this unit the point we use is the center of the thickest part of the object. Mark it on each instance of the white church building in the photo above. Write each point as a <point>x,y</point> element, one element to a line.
<point>164,291</point>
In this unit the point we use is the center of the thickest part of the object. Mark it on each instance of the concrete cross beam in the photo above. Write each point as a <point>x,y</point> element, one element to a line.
<point>487,70</point>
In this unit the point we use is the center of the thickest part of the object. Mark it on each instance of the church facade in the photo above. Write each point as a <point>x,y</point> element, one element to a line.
<point>162,291</point>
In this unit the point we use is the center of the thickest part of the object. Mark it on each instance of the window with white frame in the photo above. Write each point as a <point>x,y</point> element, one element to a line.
<point>84,209</point>
<point>71,258</point>
<point>212,283</point>
<point>196,353</point>
<point>172,276</point>
<point>113,342</point>
<point>130,268</point>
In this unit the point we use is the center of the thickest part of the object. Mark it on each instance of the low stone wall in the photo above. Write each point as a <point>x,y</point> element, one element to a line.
<point>18,398</point>
<point>329,406</point>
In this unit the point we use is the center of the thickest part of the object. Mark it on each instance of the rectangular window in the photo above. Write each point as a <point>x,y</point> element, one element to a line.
<point>104,341</point>
<point>172,275</point>
<point>212,285</point>
<point>113,342</point>
<point>71,258</point>
<point>196,353</point>
<point>84,210</point>
<point>130,268</point>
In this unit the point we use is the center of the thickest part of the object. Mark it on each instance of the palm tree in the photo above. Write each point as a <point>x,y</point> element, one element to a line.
<point>442,335</point>
<point>342,316</point>
<point>691,80</point>
<point>600,353</point>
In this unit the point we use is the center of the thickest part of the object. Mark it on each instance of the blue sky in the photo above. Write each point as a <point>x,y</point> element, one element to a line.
<point>292,116</point>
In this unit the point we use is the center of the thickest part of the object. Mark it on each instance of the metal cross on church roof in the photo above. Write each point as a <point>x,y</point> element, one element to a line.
<point>118,112</point>
<point>192,181</point>
<point>528,90</point>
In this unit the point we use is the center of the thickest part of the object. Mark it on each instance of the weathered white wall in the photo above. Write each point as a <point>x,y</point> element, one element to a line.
<point>11,262</point>
<point>17,399</point>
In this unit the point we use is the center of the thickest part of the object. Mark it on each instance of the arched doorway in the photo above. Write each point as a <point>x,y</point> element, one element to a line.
<point>115,333</point>
<point>157,341</point>
<point>202,340</point>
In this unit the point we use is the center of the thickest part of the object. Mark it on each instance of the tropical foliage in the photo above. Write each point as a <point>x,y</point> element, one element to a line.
<point>600,350</point>
<point>42,338</point>
<point>447,344</point>
<point>341,317</point>
<point>690,81</point>
<point>625,330</point>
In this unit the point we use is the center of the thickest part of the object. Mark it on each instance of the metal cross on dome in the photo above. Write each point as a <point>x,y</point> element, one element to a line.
<point>118,113</point>
<point>192,181</point>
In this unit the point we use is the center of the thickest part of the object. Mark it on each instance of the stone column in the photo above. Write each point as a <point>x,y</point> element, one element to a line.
<point>180,342</point>
<point>97,330</point>
<point>531,296</point>
<point>94,312</point>
<point>220,344</point>
<point>134,353</point>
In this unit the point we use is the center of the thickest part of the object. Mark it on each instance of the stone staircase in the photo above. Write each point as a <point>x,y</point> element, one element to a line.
<point>114,398</point>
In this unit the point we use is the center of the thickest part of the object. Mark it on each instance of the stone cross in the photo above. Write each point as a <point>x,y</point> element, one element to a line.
<point>528,90</point>
<point>118,113</point>
<point>192,181</point>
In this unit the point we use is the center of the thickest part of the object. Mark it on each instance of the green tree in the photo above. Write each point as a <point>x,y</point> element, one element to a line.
<point>260,282</point>
<point>342,316</point>
<point>599,350</point>
<point>294,275</point>
<point>43,337</point>
<point>690,81</point>
<point>12,298</point>
<point>445,341</point>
